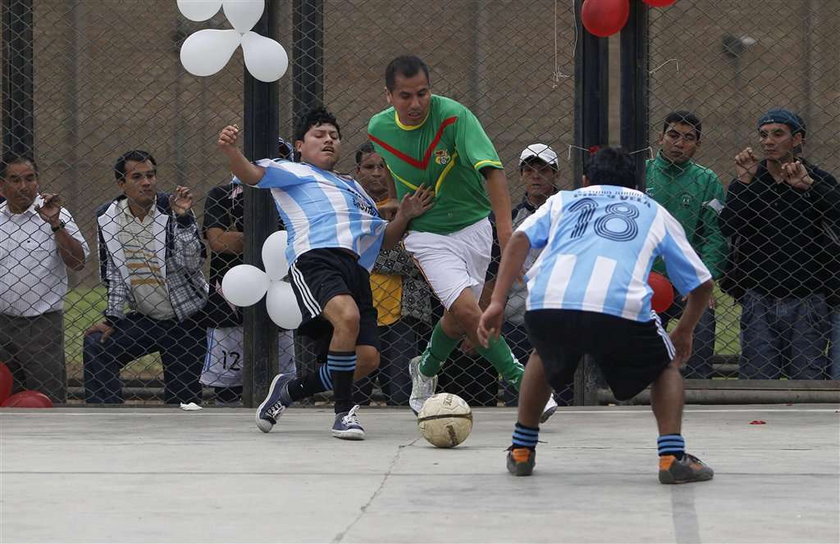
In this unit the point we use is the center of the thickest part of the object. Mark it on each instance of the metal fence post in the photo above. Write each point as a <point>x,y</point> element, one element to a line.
<point>262,127</point>
<point>18,79</point>
<point>591,128</point>
<point>634,87</point>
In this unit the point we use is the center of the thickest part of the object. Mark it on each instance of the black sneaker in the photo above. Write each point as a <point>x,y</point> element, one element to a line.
<point>275,403</point>
<point>347,426</point>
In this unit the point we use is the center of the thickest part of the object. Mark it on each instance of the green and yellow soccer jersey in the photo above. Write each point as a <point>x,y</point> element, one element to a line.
<point>446,151</point>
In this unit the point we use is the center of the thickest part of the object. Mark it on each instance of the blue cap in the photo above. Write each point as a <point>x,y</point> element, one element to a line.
<point>785,117</point>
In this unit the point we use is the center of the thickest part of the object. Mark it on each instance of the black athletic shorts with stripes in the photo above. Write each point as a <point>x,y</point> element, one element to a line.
<point>321,274</point>
<point>631,354</point>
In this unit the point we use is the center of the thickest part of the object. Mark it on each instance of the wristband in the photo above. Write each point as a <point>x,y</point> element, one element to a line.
<point>61,225</point>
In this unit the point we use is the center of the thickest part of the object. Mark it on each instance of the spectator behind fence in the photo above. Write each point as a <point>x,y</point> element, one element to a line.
<point>38,242</point>
<point>538,174</point>
<point>777,210</point>
<point>150,259</point>
<point>400,295</point>
<point>224,226</point>
<point>694,195</point>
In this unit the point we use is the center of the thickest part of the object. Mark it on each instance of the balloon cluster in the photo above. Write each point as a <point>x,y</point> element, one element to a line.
<point>606,17</point>
<point>207,51</point>
<point>245,284</point>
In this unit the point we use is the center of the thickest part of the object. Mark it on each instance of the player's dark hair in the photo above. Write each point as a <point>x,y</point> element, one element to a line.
<point>684,117</point>
<point>611,166</point>
<point>406,66</point>
<point>364,149</point>
<point>16,158</point>
<point>136,155</point>
<point>315,117</point>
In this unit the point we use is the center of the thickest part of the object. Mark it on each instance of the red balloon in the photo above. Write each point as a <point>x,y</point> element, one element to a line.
<point>659,3</point>
<point>28,399</point>
<point>663,292</point>
<point>604,17</point>
<point>6,382</point>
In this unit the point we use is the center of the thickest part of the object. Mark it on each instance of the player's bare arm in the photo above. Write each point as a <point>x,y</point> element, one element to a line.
<point>412,205</point>
<point>240,166</point>
<point>682,335</point>
<point>513,257</point>
<point>497,190</point>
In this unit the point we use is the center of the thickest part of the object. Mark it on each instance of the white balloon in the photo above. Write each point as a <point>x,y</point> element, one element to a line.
<point>265,59</point>
<point>199,10</point>
<point>282,306</point>
<point>274,255</point>
<point>243,14</point>
<point>207,51</point>
<point>244,285</point>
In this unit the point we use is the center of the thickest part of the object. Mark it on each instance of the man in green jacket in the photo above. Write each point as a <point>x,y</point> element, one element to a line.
<point>694,195</point>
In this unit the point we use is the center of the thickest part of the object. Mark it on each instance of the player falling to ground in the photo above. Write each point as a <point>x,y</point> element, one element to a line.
<point>588,294</point>
<point>335,234</point>
<point>432,141</point>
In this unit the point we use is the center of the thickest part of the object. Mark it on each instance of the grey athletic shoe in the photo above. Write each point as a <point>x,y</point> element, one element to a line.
<point>682,471</point>
<point>347,426</point>
<point>422,387</point>
<point>275,403</point>
<point>520,461</point>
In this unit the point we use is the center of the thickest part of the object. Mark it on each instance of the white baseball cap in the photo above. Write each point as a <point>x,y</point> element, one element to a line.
<point>541,152</point>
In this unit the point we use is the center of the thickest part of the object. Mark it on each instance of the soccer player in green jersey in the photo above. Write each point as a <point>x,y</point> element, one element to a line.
<point>433,141</point>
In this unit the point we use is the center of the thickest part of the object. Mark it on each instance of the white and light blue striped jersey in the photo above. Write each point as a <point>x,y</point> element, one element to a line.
<point>599,244</point>
<point>323,210</point>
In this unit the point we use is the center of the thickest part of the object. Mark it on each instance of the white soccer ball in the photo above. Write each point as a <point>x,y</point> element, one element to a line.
<point>445,420</point>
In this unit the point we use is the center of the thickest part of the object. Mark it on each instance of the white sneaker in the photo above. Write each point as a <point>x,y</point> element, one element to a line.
<point>422,387</point>
<point>550,408</point>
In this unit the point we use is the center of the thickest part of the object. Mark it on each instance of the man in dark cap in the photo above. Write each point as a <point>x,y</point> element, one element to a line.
<point>778,210</point>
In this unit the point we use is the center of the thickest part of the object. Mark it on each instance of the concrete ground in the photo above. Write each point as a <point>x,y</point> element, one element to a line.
<point>164,475</point>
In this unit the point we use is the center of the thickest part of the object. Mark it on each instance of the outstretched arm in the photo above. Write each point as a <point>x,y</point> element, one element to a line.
<point>696,303</point>
<point>242,168</point>
<point>411,206</point>
<point>497,190</point>
<point>513,258</point>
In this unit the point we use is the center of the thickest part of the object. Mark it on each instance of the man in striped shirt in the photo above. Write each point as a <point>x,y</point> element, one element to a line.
<point>588,294</point>
<point>335,234</point>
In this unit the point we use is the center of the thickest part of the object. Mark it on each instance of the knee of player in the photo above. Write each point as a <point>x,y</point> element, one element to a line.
<point>345,317</point>
<point>467,314</point>
<point>367,360</point>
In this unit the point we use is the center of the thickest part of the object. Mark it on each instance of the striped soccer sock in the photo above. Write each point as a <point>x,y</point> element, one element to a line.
<point>341,365</point>
<point>525,437</point>
<point>671,444</point>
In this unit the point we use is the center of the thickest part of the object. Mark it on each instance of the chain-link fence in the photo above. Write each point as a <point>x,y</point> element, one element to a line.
<point>730,63</point>
<point>106,78</point>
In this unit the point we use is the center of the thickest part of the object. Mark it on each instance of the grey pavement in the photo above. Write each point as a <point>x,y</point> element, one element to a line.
<point>163,475</point>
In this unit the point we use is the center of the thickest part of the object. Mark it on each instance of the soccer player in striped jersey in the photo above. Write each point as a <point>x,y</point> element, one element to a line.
<point>588,294</point>
<point>335,234</point>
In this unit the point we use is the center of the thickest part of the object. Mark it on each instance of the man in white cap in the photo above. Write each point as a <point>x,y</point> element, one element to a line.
<point>539,176</point>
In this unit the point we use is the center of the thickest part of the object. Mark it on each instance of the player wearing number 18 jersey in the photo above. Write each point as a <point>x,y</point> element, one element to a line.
<point>588,294</point>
